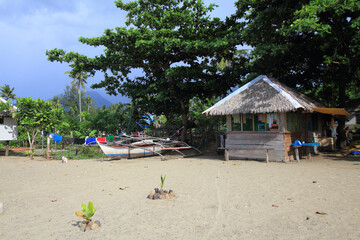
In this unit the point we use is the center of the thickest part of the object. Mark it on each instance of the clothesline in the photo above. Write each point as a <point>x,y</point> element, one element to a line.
<point>87,141</point>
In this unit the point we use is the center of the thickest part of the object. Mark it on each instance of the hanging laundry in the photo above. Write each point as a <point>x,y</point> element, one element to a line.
<point>57,138</point>
<point>79,140</point>
<point>101,139</point>
<point>68,140</point>
<point>90,141</point>
<point>110,138</point>
<point>51,135</point>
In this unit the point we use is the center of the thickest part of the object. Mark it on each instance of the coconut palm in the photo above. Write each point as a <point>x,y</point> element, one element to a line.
<point>56,102</point>
<point>80,81</point>
<point>7,92</point>
<point>88,101</point>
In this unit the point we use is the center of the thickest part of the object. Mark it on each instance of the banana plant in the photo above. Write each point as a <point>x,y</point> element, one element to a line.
<point>87,211</point>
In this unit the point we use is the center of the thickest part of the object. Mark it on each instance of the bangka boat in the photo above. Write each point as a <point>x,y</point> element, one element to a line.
<point>143,147</point>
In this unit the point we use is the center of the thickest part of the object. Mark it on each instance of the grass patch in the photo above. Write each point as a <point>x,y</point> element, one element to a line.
<point>73,153</point>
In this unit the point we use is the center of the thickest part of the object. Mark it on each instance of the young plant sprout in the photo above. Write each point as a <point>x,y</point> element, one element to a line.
<point>162,182</point>
<point>87,211</point>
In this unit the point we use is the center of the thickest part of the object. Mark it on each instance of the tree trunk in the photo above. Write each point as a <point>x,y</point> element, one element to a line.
<point>342,80</point>
<point>48,153</point>
<point>79,91</point>
<point>30,145</point>
<point>184,119</point>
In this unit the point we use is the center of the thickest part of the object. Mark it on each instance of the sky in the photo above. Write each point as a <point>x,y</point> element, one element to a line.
<point>29,28</point>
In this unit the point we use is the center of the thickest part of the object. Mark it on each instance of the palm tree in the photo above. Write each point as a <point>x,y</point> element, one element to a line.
<point>88,101</point>
<point>56,102</point>
<point>7,92</point>
<point>80,81</point>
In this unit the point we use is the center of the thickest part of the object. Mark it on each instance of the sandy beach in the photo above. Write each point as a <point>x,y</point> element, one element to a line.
<point>215,199</point>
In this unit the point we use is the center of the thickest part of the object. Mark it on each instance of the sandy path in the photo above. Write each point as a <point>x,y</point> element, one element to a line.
<point>215,199</point>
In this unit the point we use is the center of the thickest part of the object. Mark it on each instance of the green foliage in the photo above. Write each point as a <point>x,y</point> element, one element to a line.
<point>29,153</point>
<point>197,107</point>
<point>7,107</point>
<point>36,115</point>
<point>87,211</point>
<point>7,92</point>
<point>162,182</point>
<point>175,44</point>
<point>310,45</point>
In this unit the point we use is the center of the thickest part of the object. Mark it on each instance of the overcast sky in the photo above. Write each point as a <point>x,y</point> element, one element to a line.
<point>30,27</point>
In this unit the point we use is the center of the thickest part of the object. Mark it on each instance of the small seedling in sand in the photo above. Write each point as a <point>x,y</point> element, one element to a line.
<point>161,193</point>
<point>162,182</point>
<point>87,211</point>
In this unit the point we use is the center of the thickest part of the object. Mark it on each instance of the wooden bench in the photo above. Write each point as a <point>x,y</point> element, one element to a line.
<point>249,147</point>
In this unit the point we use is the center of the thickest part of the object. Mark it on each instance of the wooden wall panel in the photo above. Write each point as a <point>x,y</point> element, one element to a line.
<point>256,144</point>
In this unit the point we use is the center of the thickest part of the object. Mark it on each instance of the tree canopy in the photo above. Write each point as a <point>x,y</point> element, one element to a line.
<point>37,115</point>
<point>166,55</point>
<point>312,45</point>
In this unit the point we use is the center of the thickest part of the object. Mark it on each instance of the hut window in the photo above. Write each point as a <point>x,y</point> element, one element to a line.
<point>235,122</point>
<point>1,120</point>
<point>273,122</point>
<point>247,122</point>
<point>292,121</point>
<point>260,122</point>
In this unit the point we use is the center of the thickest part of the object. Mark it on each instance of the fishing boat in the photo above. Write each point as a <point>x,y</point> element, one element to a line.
<point>137,147</point>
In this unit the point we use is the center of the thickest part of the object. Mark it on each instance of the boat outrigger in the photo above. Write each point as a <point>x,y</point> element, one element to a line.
<point>143,147</point>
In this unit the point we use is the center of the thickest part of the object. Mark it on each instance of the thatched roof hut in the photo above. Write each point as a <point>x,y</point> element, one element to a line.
<point>265,116</point>
<point>263,95</point>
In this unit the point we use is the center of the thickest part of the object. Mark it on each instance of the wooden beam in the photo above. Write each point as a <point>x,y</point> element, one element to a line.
<point>7,147</point>
<point>226,154</point>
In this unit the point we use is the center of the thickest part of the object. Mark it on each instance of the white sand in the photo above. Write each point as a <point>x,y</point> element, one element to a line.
<point>215,199</point>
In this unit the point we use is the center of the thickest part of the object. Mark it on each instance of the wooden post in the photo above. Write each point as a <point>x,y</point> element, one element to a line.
<point>297,154</point>
<point>7,146</point>
<point>226,154</point>
<point>267,155</point>
<point>48,153</point>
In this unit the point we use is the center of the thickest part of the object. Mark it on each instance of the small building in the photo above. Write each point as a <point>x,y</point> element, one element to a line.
<point>264,117</point>
<point>8,125</point>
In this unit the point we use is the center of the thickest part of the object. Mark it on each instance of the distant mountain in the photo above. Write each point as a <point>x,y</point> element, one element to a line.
<point>101,100</point>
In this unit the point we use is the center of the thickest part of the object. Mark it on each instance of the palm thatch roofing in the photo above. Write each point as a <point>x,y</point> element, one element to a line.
<point>263,95</point>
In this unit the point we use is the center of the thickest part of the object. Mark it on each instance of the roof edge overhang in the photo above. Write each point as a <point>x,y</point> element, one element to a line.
<point>332,111</point>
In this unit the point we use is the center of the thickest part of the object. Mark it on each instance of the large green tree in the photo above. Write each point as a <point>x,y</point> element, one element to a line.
<point>174,46</point>
<point>310,45</point>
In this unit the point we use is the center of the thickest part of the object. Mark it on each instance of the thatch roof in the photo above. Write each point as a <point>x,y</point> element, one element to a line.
<point>263,95</point>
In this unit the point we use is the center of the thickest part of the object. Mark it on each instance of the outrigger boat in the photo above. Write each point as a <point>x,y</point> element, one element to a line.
<point>143,147</point>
